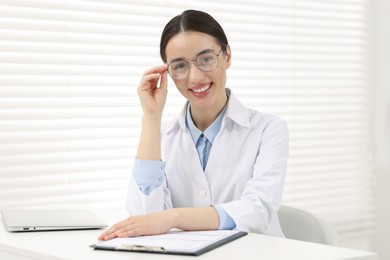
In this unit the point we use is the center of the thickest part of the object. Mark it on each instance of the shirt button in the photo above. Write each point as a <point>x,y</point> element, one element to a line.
<point>203,192</point>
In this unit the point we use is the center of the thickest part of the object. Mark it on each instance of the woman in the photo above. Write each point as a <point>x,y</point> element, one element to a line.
<point>218,165</point>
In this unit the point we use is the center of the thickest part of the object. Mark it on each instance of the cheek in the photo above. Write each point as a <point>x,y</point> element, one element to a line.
<point>181,86</point>
<point>224,65</point>
<point>221,73</point>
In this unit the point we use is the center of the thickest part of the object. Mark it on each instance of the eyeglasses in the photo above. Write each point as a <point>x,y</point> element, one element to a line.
<point>206,62</point>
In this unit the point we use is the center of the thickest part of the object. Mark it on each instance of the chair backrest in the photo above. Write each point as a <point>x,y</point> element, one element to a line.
<point>302,225</point>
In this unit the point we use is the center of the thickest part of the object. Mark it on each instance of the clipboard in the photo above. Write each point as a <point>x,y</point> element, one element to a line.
<point>192,243</point>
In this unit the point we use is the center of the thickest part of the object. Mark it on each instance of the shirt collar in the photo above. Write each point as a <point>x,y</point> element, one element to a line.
<point>210,133</point>
<point>235,112</point>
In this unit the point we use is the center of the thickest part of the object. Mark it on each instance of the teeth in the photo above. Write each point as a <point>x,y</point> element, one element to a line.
<point>201,89</point>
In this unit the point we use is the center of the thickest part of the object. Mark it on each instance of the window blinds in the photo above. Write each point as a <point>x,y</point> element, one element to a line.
<point>70,117</point>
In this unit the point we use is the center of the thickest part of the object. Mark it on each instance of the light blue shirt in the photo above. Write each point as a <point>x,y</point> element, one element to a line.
<point>152,174</point>
<point>210,133</point>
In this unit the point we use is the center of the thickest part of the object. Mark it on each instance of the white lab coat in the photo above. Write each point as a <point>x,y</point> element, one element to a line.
<point>244,175</point>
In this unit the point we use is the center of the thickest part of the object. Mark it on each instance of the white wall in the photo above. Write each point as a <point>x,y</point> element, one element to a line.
<point>381,19</point>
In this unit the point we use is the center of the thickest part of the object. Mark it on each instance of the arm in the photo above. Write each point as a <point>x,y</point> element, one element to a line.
<point>152,100</point>
<point>205,218</point>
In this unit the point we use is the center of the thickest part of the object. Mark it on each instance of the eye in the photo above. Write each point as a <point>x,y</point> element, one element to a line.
<point>206,59</point>
<point>181,65</point>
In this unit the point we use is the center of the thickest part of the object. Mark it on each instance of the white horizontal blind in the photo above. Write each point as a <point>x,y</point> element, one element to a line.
<point>70,117</point>
<point>308,62</point>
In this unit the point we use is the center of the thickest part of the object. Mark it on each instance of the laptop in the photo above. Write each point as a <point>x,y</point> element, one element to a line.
<point>16,220</point>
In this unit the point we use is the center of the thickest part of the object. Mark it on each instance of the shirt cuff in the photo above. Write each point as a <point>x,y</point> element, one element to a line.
<point>225,220</point>
<point>149,174</point>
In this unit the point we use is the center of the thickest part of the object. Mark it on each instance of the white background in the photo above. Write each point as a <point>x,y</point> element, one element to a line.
<point>382,119</point>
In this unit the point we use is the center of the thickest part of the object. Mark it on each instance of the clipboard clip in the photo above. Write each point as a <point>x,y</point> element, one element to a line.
<point>140,248</point>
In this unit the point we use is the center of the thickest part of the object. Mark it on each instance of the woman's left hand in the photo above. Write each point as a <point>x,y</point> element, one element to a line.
<point>201,218</point>
<point>149,224</point>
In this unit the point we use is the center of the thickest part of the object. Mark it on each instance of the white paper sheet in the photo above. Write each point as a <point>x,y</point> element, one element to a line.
<point>173,241</point>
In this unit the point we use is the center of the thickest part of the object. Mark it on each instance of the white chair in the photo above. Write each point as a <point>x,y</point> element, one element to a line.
<point>302,225</point>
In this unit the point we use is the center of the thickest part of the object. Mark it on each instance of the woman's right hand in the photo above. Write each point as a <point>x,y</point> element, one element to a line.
<point>152,90</point>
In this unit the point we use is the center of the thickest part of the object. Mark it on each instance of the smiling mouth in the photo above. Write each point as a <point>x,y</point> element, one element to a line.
<point>201,90</point>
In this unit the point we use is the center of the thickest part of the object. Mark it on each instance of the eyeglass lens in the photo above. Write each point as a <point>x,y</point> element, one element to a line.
<point>205,62</point>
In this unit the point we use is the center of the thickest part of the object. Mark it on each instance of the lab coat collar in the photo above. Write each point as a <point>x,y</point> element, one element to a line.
<point>235,111</point>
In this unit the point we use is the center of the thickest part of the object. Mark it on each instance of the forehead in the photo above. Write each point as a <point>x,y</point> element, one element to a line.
<point>188,44</point>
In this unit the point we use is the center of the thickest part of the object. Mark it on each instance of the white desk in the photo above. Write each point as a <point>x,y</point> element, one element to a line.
<point>75,245</point>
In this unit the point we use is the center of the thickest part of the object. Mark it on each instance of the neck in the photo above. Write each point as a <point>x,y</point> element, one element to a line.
<point>204,117</point>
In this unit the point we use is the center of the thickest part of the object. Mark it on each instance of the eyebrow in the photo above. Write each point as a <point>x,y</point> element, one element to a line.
<point>199,53</point>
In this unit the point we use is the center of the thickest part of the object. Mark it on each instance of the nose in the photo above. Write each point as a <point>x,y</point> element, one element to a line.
<point>195,74</point>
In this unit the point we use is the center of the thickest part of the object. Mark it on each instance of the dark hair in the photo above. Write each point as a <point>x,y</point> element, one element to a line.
<point>192,20</point>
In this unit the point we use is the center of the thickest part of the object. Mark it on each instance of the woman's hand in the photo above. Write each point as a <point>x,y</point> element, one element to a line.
<point>149,224</point>
<point>205,218</point>
<point>152,90</point>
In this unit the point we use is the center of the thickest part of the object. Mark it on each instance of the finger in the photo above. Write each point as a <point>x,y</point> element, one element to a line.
<point>150,77</point>
<point>134,232</point>
<point>163,81</point>
<point>111,235</point>
<point>105,234</point>
<point>129,230</point>
<point>157,69</point>
<point>149,82</point>
<point>115,228</point>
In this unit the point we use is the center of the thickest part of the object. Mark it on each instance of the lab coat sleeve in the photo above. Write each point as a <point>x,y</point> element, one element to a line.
<point>147,189</point>
<point>257,208</point>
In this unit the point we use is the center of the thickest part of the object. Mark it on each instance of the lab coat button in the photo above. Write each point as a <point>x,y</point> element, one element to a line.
<point>203,192</point>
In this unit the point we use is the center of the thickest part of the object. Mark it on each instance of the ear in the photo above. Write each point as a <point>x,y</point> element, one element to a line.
<point>228,56</point>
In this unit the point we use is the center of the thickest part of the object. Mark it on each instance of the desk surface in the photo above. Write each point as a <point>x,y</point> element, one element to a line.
<point>75,245</point>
